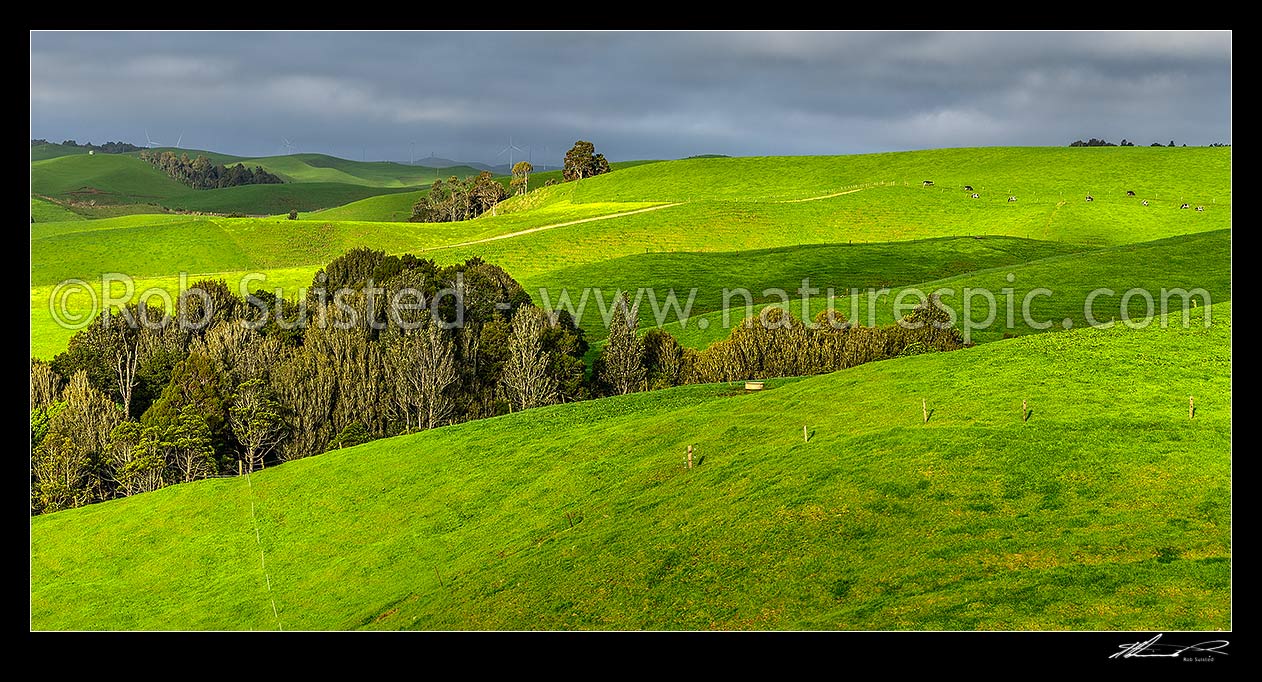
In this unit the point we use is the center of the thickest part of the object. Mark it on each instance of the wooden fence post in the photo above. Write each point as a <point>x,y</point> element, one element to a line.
<point>1191,408</point>
<point>805,438</point>
<point>1025,412</point>
<point>924,407</point>
<point>689,456</point>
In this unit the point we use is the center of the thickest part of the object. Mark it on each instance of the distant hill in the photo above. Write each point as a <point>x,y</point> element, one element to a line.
<point>440,162</point>
<point>95,186</point>
<point>41,152</point>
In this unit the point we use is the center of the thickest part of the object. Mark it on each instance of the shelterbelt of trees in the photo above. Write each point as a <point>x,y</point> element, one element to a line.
<point>202,173</point>
<point>220,387</point>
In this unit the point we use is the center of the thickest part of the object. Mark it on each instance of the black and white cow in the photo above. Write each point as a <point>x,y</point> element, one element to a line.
<point>927,183</point>
<point>975,196</point>
<point>1090,198</point>
<point>1129,193</point>
<point>1011,199</point>
<point>968,188</point>
<point>1145,202</point>
<point>1185,206</point>
<point>1201,209</point>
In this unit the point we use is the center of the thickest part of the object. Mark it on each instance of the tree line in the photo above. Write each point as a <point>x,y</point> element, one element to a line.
<point>202,173</point>
<point>130,408</point>
<point>1093,142</point>
<point>107,148</point>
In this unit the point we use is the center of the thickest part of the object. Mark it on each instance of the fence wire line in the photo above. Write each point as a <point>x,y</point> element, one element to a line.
<point>262,558</point>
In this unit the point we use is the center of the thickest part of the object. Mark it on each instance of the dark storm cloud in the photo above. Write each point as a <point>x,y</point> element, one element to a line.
<point>637,95</point>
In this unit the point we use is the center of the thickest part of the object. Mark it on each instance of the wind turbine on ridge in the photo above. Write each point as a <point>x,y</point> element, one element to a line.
<point>510,149</point>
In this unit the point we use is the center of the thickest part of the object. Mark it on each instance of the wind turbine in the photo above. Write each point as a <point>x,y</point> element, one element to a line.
<point>289,146</point>
<point>510,149</point>
<point>179,140</point>
<point>149,141</point>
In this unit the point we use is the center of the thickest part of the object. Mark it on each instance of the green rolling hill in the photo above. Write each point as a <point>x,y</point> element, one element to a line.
<point>762,225</point>
<point>41,152</point>
<point>398,207</point>
<point>324,168</point>
<point>583,516</point>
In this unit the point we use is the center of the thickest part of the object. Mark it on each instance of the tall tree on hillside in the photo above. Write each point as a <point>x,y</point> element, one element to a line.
<point>65,466</point>
<point>256,422</point>
<point>521,177</point>
<point>525,372</point>
<point>137,459</point>
<point>582,161</point>
<point>196,381</point>
<point>45,384</point>
<point>191,446</point>
<point>663,359</point>
<point>487,192</point>
<point>421,364</point>
<point>623,355</point>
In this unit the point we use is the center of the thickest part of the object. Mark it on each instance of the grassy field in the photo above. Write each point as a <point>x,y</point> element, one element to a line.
<point>1200,260</point>
<point>104,178</point>
<point>324,168</point>
<point>841,266</point>
<point>41,152</point>
<point>102,184</point>
<point>44,211</point>
<point>398,207</point>
<point>753,231</point>
<point>1199,175</point>
<point>1107,509</point>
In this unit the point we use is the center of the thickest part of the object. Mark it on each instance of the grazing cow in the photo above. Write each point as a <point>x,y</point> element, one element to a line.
<point>1010,199</point>
<point>1200,208</point>
<point>927,183</point>
<point>968,188</point>
<point>1129,193</point>
<point>1185,206</point>
<point>1090,198</point>
<point>975,196</point>
<point>1145,202</point>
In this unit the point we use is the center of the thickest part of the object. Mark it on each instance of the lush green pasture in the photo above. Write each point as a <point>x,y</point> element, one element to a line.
<point>52,151</point>
<point>1108,509</point>
<point>44,211</point>
<point>212,244</point>
<point>286,252</point>
<point>1188,262</point>
<point>393,208</point>
<point>750,238</point>
<point>101,183</point>
<point>105,179</point>
<point>398,207</point>
<point>839,266</point>
<point>301,168</point>
<point>1194,174</point>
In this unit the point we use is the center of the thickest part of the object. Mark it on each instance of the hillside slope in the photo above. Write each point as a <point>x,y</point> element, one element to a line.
<point>96,185</point>
<point>1107,509</point>
<point>787,211</point>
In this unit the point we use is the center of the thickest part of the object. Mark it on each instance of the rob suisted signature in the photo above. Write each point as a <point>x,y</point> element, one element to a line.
<point>1154,649</point>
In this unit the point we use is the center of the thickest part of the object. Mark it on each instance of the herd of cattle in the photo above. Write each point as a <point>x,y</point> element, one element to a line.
<point>1012,198</point>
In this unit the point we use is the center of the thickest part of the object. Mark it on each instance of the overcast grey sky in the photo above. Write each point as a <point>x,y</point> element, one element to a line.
<point>635,95</point>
